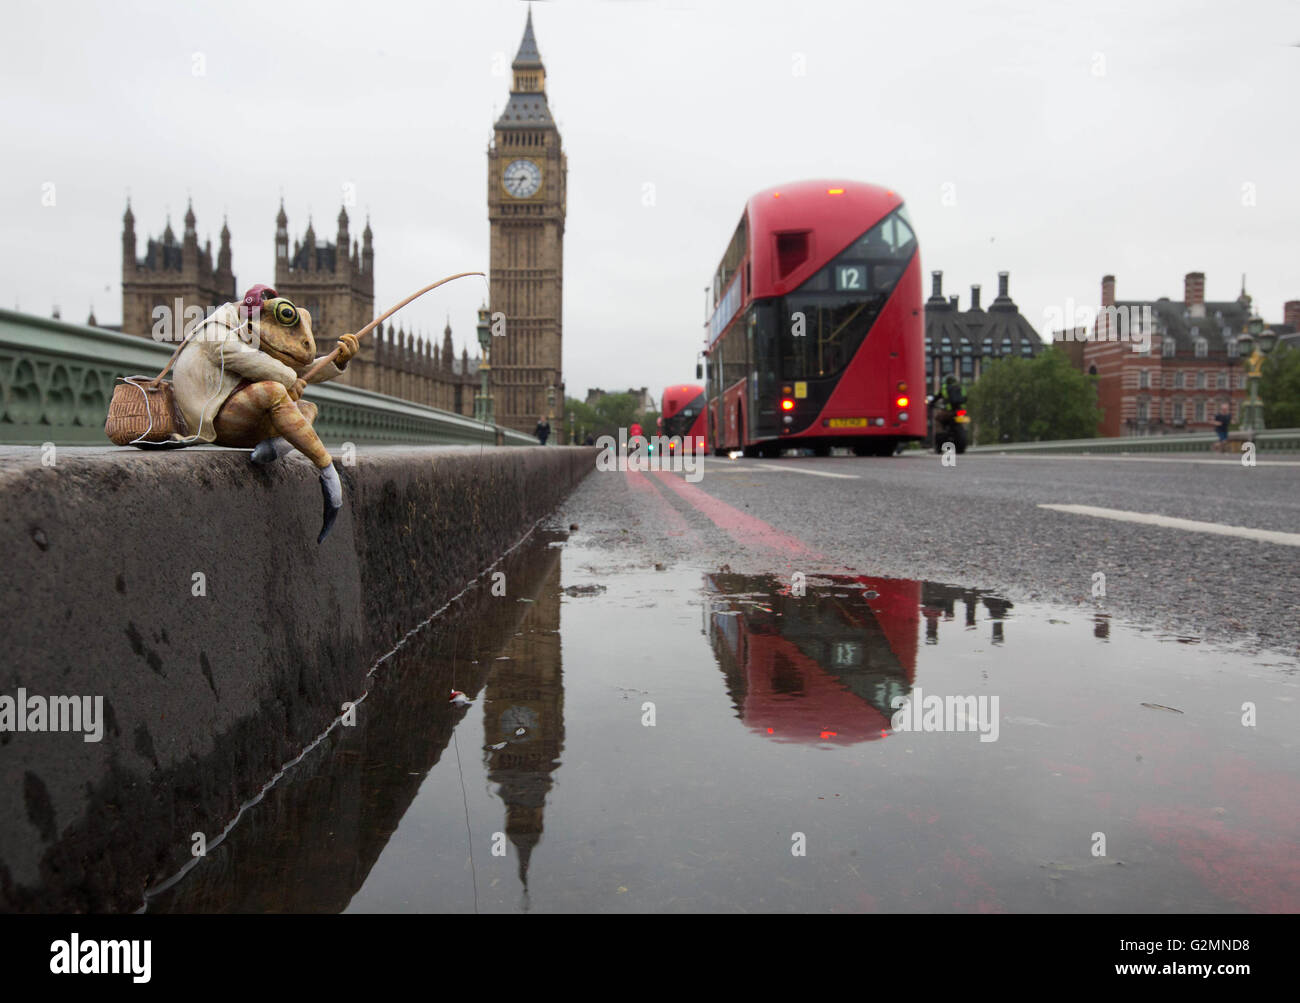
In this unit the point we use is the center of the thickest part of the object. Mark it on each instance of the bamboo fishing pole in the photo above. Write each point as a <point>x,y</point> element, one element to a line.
<point>326,360</point>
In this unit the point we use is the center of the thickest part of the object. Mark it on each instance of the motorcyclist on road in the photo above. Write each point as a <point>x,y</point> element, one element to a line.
<point>946,405</point>
<point>952,393</point>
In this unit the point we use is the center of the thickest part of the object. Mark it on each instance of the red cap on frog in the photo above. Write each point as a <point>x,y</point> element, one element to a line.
<point>255,297</point>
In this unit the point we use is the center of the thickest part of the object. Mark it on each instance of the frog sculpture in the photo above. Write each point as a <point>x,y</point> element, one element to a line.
<point>240,381</point>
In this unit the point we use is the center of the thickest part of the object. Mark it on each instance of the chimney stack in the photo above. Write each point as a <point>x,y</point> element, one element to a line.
<point>1004,280</point>
<point>1194,293</point>
<point>1108,290</point>
<point>936,285</point>
<point>1291,313</point>
<point>974,297</point>
<point>952,301</point>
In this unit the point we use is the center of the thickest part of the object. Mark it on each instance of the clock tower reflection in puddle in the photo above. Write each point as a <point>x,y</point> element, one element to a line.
<point>523,719</point>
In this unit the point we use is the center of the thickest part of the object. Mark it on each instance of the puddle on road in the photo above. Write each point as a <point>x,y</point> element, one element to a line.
<point>667,741</point>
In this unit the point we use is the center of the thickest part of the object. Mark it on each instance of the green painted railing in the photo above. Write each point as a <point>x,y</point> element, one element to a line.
<point>1274,439</point>
<point>56,380</point>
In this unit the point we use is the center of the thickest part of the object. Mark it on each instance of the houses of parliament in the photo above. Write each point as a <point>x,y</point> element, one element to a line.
<point>335,280</point>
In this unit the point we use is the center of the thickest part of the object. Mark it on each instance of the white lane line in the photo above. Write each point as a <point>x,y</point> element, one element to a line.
<point>1191,525</point>
<point>782,468</point>
<point>1229,462</point>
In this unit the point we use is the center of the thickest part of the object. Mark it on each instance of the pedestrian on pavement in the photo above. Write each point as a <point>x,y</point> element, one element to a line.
<point>543,430</point>
<point>1221,421</point>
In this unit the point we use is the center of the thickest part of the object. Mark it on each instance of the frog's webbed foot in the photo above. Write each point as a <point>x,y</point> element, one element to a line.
<point>270,450</point>
<point>331,489</point>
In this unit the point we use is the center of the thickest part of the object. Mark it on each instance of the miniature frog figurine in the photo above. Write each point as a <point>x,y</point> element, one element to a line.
<point>240,380</point>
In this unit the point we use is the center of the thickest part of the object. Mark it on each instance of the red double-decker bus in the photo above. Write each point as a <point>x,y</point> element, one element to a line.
<point>681,417</point>
<point>816,338</point>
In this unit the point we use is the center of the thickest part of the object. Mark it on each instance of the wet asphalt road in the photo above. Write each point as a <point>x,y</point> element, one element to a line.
<point>660,720</point>
<point>977,524</point>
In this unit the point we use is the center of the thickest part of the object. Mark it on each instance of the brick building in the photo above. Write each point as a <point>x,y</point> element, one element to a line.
<point>1190,367</point>
<point>964,341</point>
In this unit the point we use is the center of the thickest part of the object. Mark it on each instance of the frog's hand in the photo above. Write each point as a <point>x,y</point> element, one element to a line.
<point>331,489</point>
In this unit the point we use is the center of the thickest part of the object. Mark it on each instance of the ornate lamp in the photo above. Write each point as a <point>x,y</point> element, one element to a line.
<point>483,403</point>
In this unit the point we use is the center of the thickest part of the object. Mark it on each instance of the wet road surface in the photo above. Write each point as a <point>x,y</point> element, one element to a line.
<point>666,718</point>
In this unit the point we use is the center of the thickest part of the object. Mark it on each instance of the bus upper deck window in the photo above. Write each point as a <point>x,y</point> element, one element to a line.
<point>791,251</point>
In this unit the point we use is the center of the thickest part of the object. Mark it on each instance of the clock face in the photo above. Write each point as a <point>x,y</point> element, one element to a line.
<point>522,178</point>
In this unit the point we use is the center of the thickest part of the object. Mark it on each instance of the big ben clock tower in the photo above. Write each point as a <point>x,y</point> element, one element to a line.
<point>526,206</point>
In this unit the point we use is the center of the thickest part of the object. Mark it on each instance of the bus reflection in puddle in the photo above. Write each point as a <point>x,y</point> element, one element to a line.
<point>829,666</point>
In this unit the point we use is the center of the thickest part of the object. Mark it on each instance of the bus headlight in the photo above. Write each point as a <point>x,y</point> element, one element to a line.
<point>902,416</point>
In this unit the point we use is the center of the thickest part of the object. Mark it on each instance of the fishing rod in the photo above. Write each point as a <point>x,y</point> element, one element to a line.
<point>326,360</point>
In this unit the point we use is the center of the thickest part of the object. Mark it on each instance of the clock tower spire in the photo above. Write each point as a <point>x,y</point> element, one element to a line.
<point>527,170</point>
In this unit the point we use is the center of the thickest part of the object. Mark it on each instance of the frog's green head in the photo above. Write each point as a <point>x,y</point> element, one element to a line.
<point>283,331</point>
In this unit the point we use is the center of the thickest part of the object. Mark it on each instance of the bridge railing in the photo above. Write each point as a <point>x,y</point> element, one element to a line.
<point>56,380</point>
<point>1274,439</point>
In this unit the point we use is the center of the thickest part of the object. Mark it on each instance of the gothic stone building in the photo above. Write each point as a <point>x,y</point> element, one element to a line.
<point>333,281</point>
<point>526,210</point>
<point>180,276</point>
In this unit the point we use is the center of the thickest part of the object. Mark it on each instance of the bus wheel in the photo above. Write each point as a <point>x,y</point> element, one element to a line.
<point>751,451</point>
<point>821,451</point>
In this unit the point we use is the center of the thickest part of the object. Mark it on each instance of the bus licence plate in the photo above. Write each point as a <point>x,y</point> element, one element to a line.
<point>848,423</point>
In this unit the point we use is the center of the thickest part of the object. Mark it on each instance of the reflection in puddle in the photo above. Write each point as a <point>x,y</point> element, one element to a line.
<point>523,724</point>
<point>824,666</point>
<point>650,741</point>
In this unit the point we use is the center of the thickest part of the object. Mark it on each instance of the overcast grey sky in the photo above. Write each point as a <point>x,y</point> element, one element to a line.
<point>1070,140</point>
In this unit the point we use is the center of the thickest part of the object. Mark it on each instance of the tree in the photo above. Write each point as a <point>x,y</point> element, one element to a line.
<point>610,413</point>
<point>1279,387</point>
<point>1030,400</point>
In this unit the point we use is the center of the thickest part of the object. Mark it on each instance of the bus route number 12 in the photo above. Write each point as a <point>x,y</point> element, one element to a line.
<point>850,277</point>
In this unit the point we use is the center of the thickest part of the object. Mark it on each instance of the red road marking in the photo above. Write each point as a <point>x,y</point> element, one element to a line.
<point>740,526</point>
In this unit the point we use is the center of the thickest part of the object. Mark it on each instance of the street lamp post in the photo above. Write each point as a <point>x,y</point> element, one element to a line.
<point>1257,342</point>
<point>484,411</point>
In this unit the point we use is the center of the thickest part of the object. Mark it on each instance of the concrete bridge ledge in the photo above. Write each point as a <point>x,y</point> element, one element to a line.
<point>187,590</point>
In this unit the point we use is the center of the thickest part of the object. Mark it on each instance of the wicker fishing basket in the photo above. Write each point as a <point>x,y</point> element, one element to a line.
<point>143,411</point>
